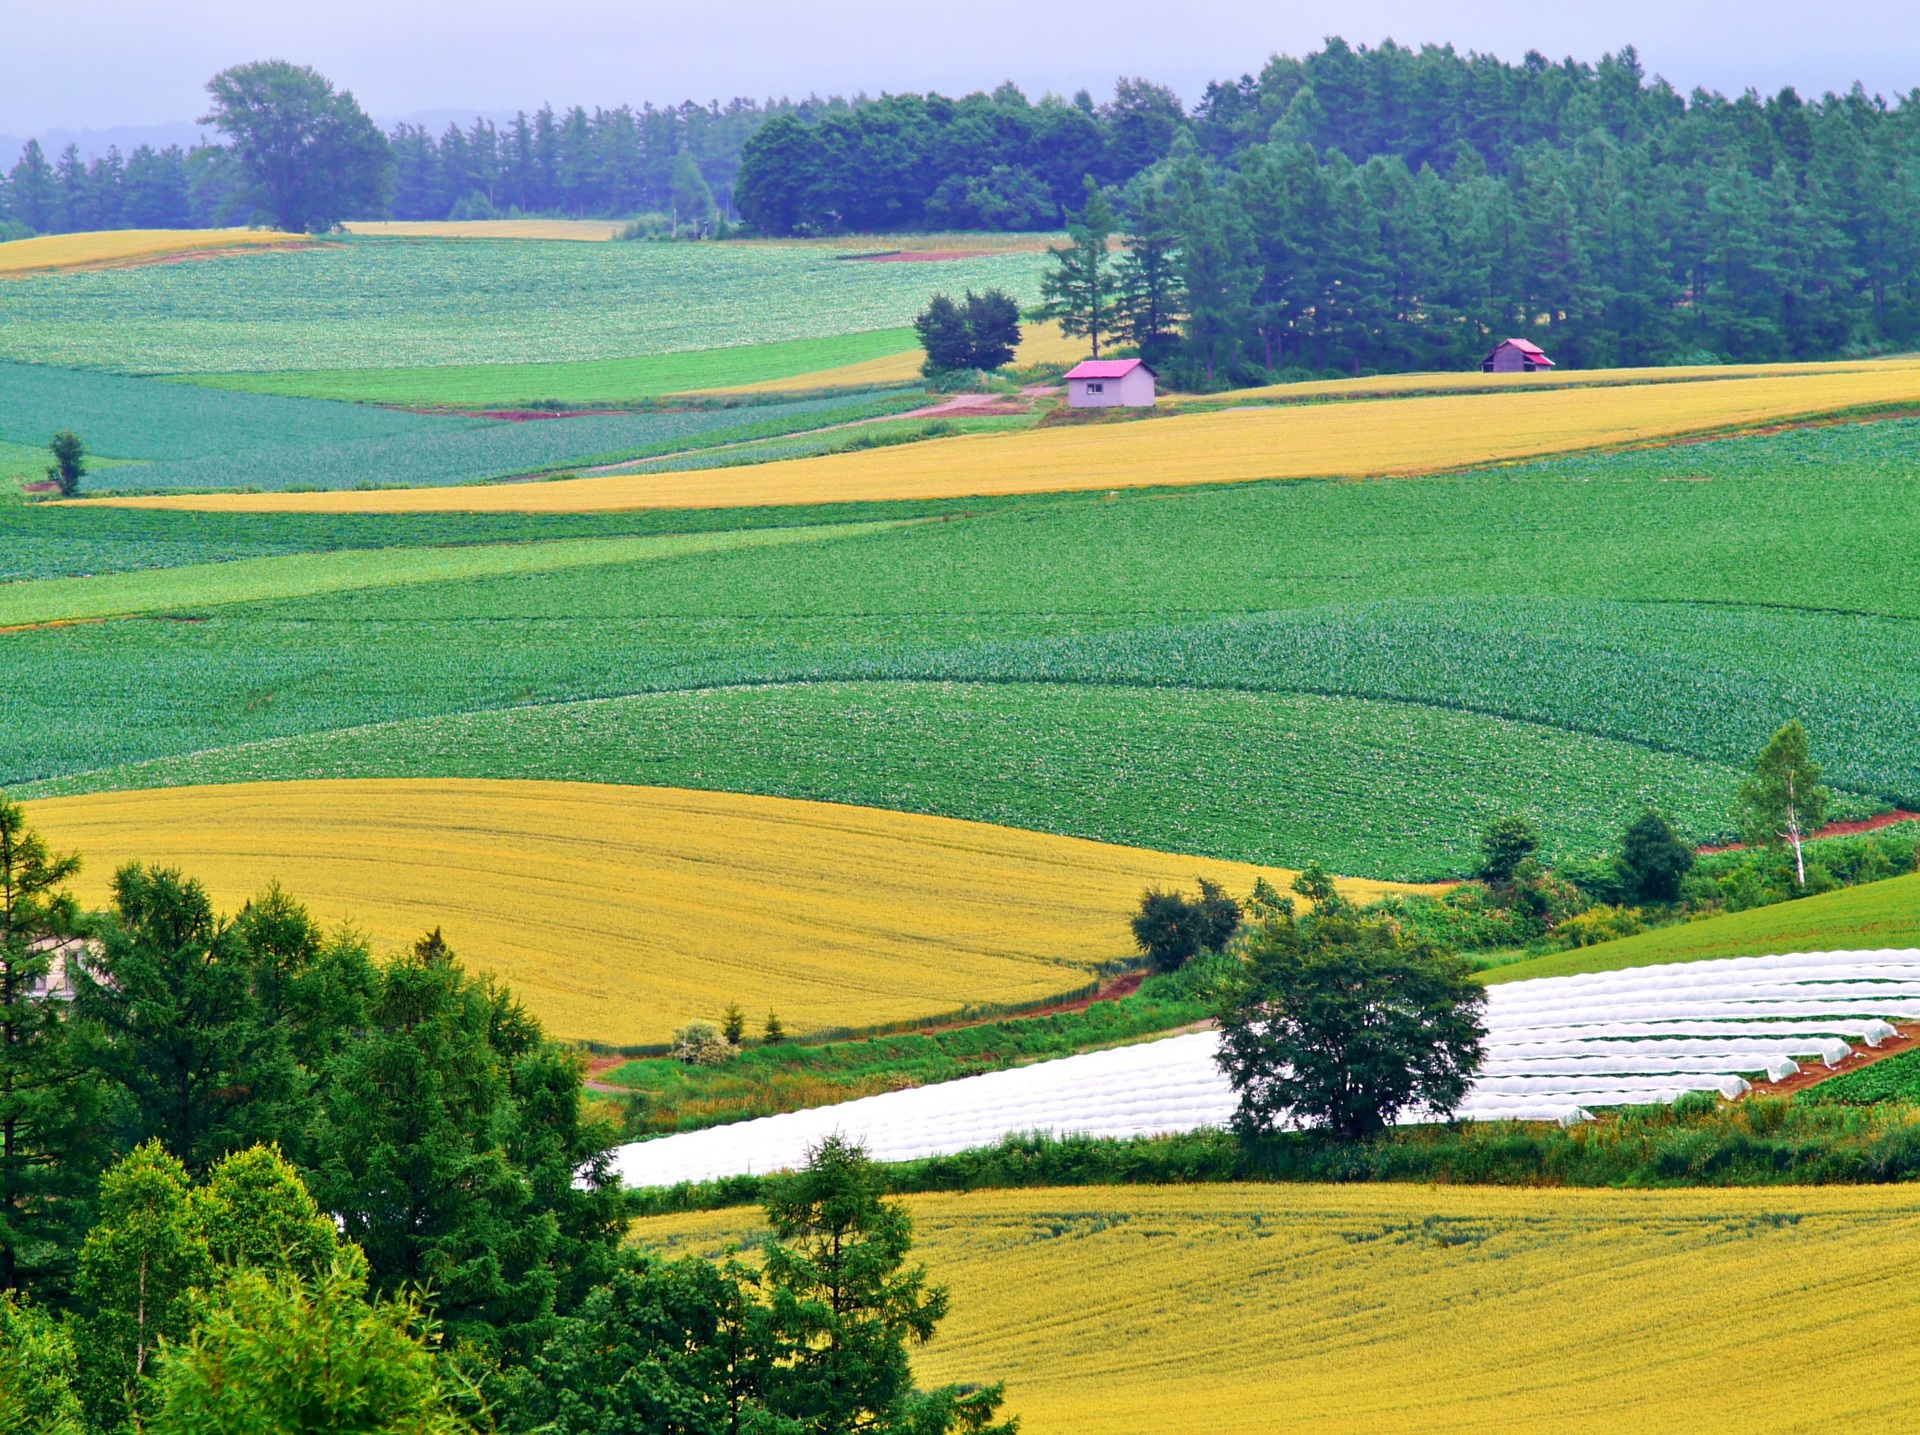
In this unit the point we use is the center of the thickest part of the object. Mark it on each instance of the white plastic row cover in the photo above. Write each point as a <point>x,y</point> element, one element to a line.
<point>1556,1048</point>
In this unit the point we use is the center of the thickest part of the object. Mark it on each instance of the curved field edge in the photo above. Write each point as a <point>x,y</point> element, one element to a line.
<point>618,913</point>
<point>1874,915</point>
<point>1387,790</point>
<point>744,367</point>
<point>1382,438</point>
<point>302,575</point>
<point>50,253</point>
<point>1352,1308</point>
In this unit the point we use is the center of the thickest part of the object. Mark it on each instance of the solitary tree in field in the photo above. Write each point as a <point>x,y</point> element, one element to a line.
<point>1081,289</point>
<point>1783,802</point>
<point>1342,1025</point>
<point>1505,845</point>
<point>981,333</point>
<point>1653,859</point>
<point>69,462</point>
<point>309,154</point>
<point>1172,929</point>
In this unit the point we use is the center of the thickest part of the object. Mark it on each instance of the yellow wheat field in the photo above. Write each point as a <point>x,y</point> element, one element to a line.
<point>1380,438</point>
<point>1228,1310</point>
<point>109,247</point>
<point>618,913</point>
<point>1392,385</point>
<point>1040,344</point>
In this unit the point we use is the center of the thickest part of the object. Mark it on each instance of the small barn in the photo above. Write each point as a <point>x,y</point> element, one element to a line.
<point>1515,356</point>
<point>1110,383</point>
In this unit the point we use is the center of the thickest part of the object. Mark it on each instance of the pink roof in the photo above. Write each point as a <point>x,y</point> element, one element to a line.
<point>1105,368</point>
<point>1531,350</point>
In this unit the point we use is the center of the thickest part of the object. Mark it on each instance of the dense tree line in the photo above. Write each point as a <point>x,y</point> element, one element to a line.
<point>1605,218</point>
<point>983,162</point>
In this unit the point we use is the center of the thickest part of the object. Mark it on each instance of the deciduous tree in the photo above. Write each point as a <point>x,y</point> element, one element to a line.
<point>1342,1025</point>
<point>309,154</point>
<point>1783,803</point>
<point>1653,859</point>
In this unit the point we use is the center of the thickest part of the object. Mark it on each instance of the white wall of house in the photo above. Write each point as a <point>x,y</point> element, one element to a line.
<point>1135,391</point>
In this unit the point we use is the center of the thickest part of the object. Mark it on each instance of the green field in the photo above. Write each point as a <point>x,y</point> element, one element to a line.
<point>1363,673</point>
<point>588,381</point>
<point>140,419</point>
<point>194,440</point>
<point>466,451</point>
<point>408,303</point>
<point>300,575</point>
<point>1878,914</point>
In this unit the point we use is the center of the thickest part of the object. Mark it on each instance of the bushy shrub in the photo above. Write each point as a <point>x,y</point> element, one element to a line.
<point>1596,925</point>
<point>1171,929</point>
<point>699,1043</point>
<point>1653,859</point>
<point>1504,846</point>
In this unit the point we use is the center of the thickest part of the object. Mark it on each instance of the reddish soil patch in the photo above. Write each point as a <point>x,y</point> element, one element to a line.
<point>1836,829</point>
<point>1121,986</point>
<point>1816,1072</point>
<point>915,256</point>
<point>45,486</point>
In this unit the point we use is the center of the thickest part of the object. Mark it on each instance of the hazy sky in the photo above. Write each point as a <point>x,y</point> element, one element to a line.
<point>91,64</point>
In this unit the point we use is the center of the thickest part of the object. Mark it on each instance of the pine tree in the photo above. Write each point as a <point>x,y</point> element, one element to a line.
<point>50,1143</point>
<point>1079,290</point>
<point>1151,297</point>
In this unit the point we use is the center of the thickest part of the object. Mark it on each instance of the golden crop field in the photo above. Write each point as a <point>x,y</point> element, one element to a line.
<point>591,230</point>
<point>1041,344</point>
<point>109,247</point>
<point>1380,438</point>
<point>1394,385</point>
<point>1218,1310</point>
<point>618,913</point>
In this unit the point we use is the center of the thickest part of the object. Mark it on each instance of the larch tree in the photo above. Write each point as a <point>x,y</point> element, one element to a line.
<point>1080,289</point>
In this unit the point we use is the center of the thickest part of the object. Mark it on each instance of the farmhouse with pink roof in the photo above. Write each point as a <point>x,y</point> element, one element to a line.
<point>1515,356</point>
<point>1109,383</point>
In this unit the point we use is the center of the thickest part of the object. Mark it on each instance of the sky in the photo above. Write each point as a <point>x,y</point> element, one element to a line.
<point>81,66</point>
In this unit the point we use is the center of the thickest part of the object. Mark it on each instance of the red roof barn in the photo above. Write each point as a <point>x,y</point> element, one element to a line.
<point>1515,356</point>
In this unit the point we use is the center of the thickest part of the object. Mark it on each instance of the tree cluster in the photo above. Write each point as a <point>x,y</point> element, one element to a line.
<point>980,332</point>
<point>1171,928</point>
<point>1389,210</point>
<point>254,1179</point>
<point>995,161</point>
<point>681,160</point>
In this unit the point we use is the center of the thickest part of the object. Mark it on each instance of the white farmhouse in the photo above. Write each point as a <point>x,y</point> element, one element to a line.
<point>1110,383</point>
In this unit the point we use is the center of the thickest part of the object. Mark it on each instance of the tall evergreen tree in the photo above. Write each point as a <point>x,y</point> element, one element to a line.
<point>50,1144</point>
<point>1079,289</point>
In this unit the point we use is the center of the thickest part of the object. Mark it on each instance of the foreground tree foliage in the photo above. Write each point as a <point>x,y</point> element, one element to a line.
<point>36,1373</point>
<point>1342,1024</point>
<point>292,1354</point>
<point>814,1341</point>
<point>51,1145</point>
<point>360,1196</point>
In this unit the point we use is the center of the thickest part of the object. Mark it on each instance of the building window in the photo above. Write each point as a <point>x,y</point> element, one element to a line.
<point>1096,388</point>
